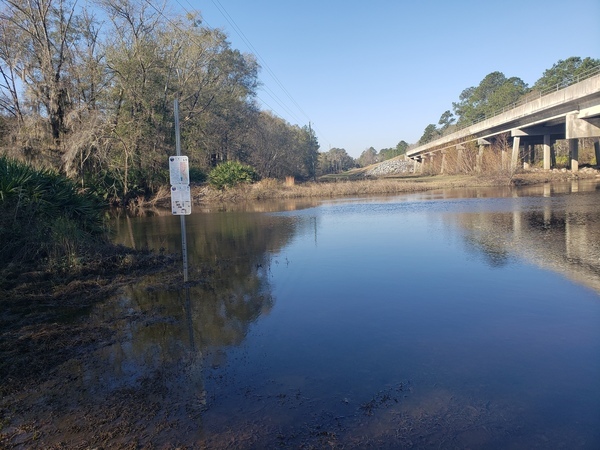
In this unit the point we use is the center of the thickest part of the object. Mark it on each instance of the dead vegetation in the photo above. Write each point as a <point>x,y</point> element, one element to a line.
<point>33,338</point>
<point>270,189</point>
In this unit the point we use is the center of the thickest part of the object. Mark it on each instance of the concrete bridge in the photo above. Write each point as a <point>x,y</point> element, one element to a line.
<point>570,113</point>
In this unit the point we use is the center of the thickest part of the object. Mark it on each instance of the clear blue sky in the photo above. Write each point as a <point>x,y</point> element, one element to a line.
<point>373,73</point>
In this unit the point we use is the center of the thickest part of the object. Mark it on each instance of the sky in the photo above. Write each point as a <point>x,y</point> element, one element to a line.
<point>373,73</point>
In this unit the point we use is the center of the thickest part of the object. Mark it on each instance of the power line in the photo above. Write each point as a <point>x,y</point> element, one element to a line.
<point>240,33</point>
<point>273,95</point>
<point>177,27</point>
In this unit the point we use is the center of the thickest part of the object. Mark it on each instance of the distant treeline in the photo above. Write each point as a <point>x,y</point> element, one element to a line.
<point>476,103</point>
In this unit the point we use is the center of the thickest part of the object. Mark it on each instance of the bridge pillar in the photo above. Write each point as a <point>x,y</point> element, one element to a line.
<point>460,158</point>
<point>597,152</point>
<point>547,156</point>
<point>527,156</point>
<point>515,153</point>
<point>574,154</point>
<point>443,168</point>
<point>479,159</point>
<point>418,165</point>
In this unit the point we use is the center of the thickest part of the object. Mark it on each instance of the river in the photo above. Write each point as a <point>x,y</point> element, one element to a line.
<point>449,319</point>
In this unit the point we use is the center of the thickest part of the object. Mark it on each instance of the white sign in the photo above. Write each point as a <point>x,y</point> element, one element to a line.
<point>179,170</point>
<point>181,200</point>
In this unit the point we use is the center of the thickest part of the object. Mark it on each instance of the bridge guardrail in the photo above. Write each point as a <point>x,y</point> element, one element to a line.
<point>529,97</point>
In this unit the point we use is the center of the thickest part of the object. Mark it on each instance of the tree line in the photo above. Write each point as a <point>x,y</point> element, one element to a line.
<point>89,91</point>
<point>496,92</point>
<point>337,160</point>
<point>475,103</point>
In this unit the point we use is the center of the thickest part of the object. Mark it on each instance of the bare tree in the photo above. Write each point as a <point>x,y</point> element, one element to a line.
<point>47,52</point>
<point>43,54</point>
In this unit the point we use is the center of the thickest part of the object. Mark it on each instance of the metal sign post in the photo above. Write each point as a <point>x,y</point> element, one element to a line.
<point>181,201</point>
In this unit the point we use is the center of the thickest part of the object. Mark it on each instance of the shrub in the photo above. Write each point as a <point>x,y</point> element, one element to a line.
<point>230,174</point>
<point>562,161</point>
<point>44,218</point>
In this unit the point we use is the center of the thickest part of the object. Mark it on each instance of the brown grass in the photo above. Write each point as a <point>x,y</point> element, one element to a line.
<point>273,189</point>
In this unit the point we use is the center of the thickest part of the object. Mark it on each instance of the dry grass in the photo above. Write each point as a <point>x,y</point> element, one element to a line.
<point>273,189</point>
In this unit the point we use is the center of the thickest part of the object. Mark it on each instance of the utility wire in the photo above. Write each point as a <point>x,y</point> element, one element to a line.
<point>271,94</point>
<point>176,26</point>
<point>240,33</point>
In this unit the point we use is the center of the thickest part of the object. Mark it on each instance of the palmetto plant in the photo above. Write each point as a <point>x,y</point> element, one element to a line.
<point>231,173</point>
<point>44,215</point>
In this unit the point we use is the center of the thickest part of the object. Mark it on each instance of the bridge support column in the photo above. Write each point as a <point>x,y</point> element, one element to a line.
<point>460,159</point>
<point>443,168</point>
<point>574,154</point>
<point>597,152</point>
<point>418,167</point>
<point>479,159</point>
<point>515,153</point>
<point>547,156</point>
<point>527,156</point>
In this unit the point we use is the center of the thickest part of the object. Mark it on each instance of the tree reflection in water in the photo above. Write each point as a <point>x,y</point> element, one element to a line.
<point>419,321</point>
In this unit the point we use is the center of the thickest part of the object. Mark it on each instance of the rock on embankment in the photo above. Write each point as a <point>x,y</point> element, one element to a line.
<point>582,171</point>
<point>391,167</point>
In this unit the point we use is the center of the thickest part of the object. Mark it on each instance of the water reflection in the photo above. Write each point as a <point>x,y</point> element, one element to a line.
<point>169,340</point>
<point>428,320</point>
<point>560,233</point>
<point>230,256</point>
<point>322,343</point>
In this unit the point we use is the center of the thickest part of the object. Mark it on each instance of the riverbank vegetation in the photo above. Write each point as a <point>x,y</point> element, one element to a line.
<point>53,233</point>
<point>45,217</point>
<point>89,92</point>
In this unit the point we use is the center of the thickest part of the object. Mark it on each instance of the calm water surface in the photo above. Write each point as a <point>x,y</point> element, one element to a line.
<point>449,319</point>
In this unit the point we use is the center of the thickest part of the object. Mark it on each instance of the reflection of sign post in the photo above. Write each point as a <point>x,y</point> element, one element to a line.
<point>181,199</point>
